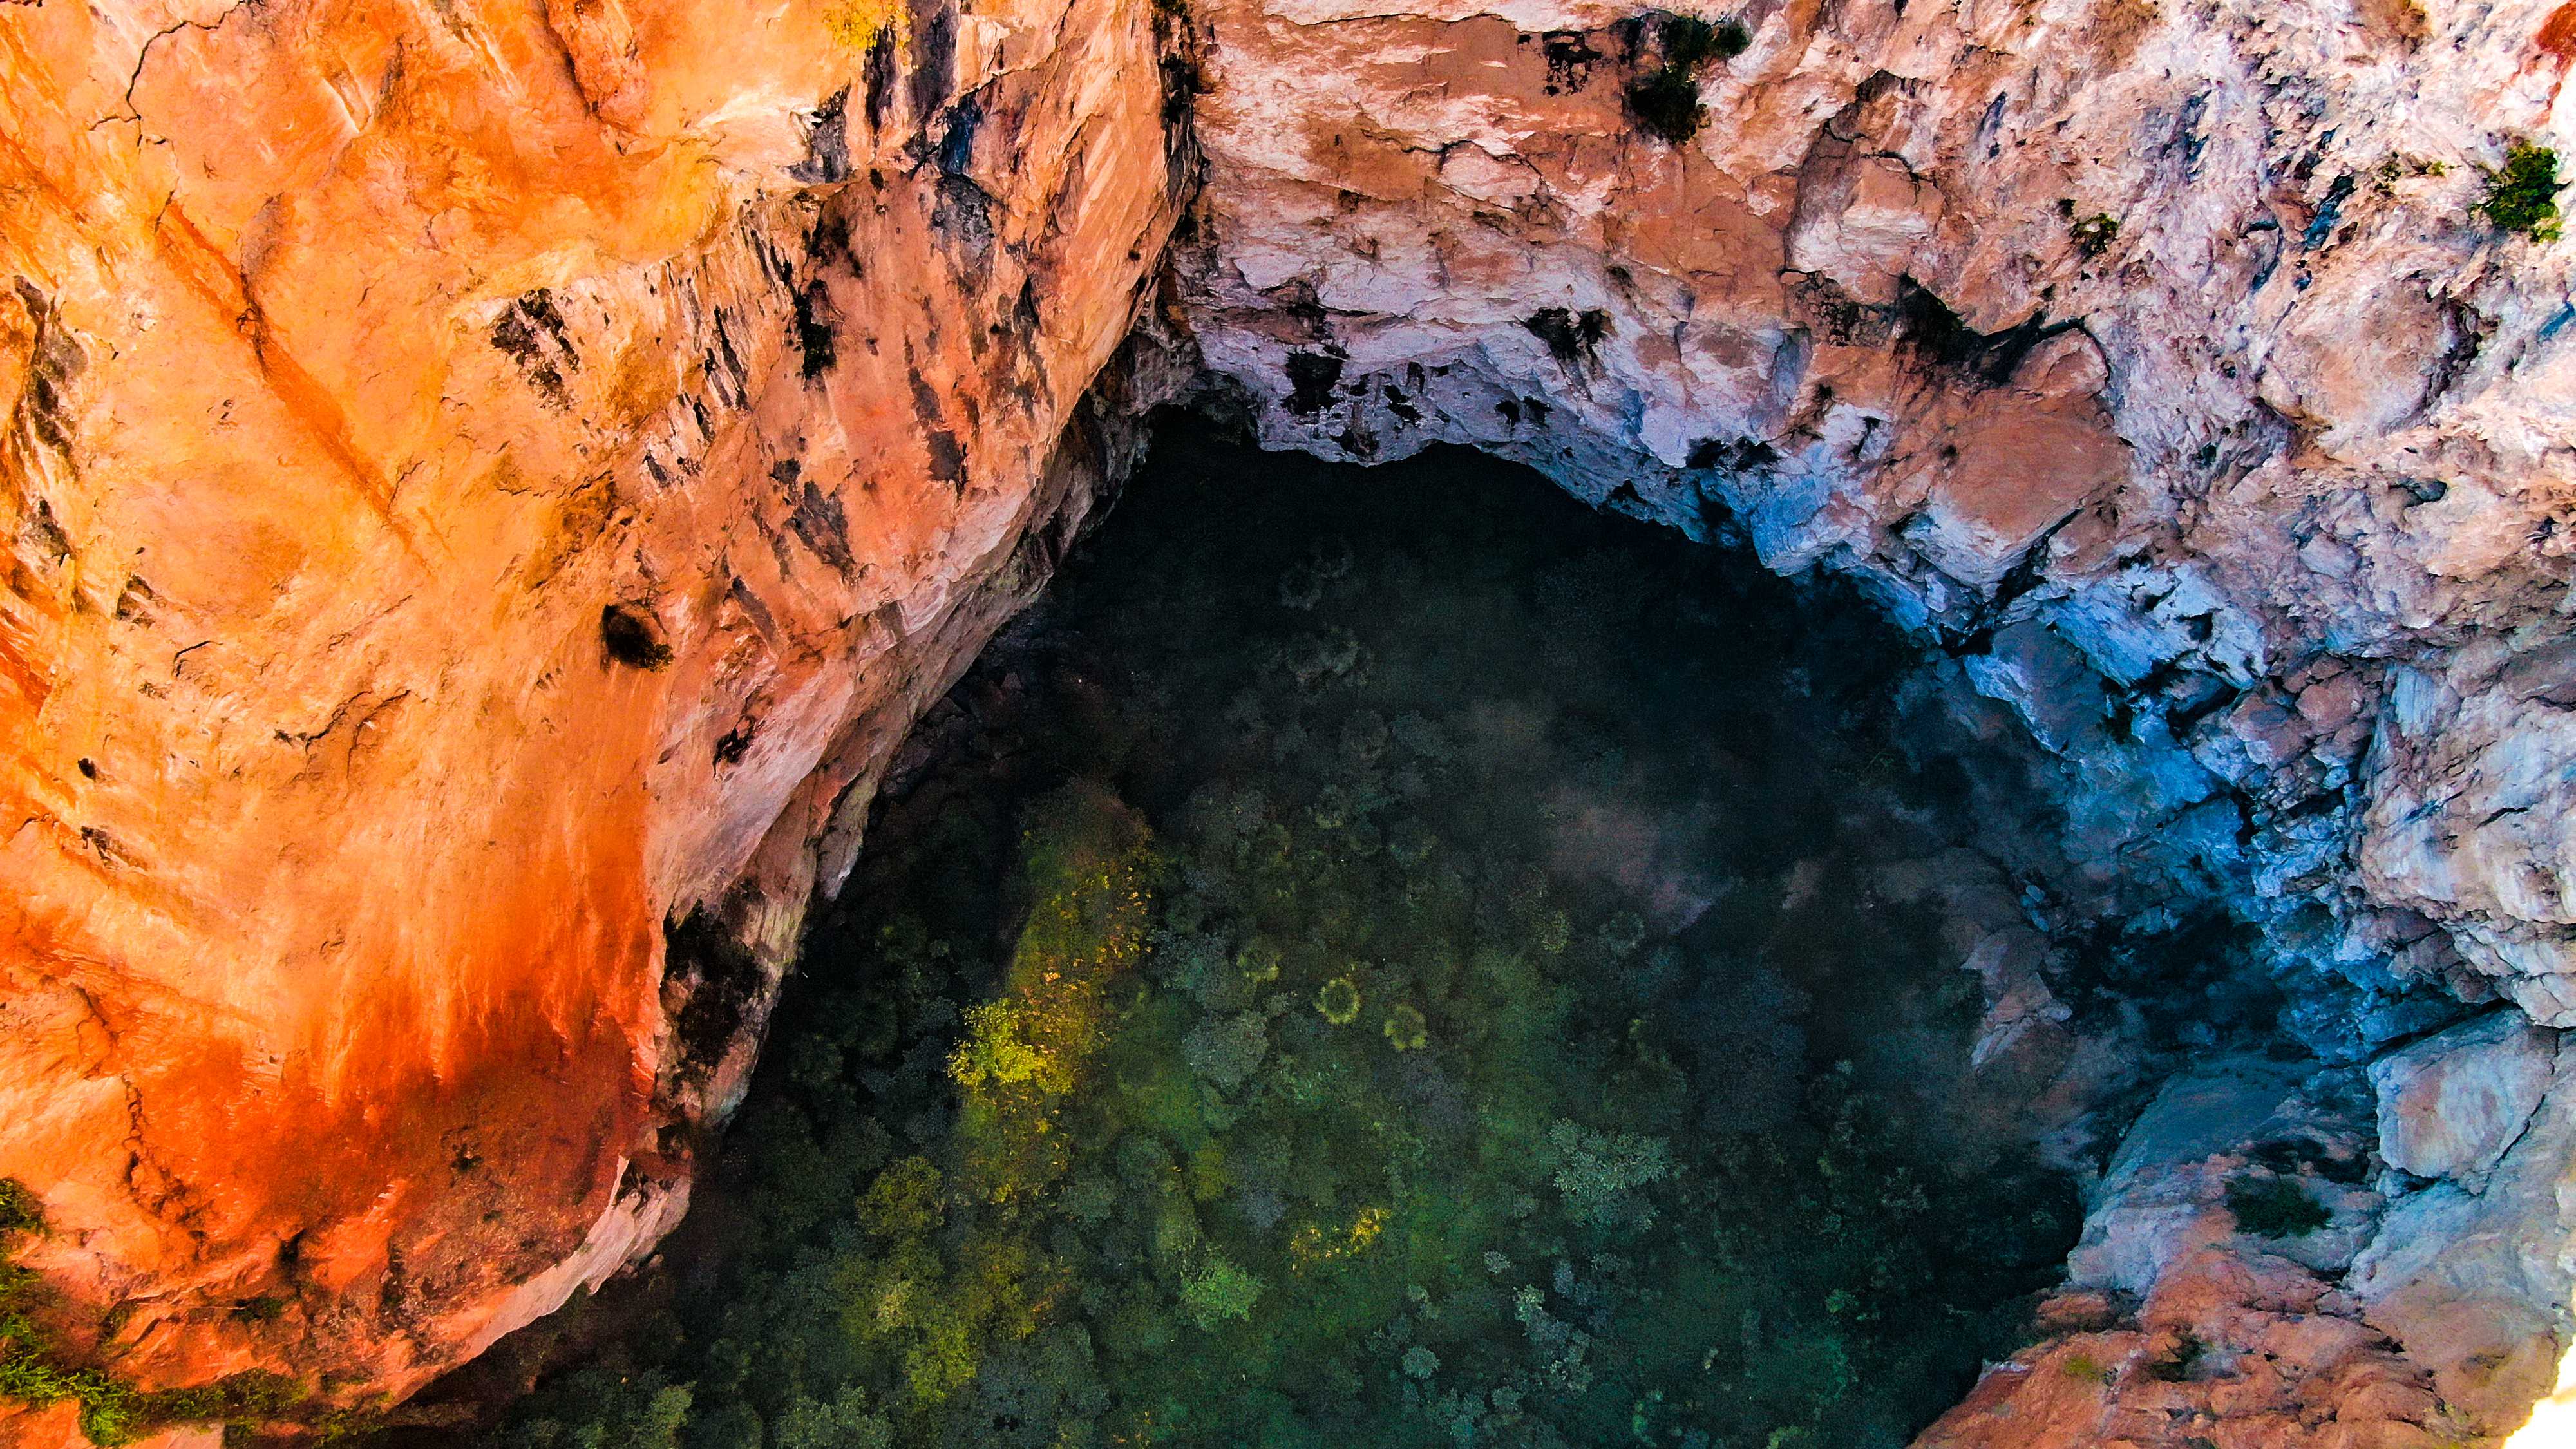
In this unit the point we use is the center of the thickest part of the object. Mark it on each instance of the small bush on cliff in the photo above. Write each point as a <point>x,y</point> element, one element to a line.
<point>1665,100</point>
<point>2094,234</point>
<point>2522,197</point>
<point>19,1211</point>
<point>37,1371</point>
<point>2274,1207</point>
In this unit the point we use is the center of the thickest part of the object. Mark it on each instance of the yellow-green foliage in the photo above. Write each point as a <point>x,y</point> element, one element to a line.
<point>856,24</point>
<point>1090,874</point>
<point>1218,1291</point>
<point>1338,1001</point>
<point>2522,196</point>
<point>2086,1367</point>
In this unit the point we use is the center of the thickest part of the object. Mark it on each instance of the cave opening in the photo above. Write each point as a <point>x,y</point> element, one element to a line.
<point>1399,956</point>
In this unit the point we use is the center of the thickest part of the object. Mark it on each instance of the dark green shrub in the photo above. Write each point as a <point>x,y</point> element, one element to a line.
<point>2274,1207</point>
<point>2523,196</point>
<point>19,1210</point>
<point>1665,100</point>
<point>1690,42</point>
<point>2094,234</point>
<point>2179,1365</point>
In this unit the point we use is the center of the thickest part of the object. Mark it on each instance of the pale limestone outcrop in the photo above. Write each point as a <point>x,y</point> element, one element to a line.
<point>2451,1104</point>
<point>2473,1274</point>
<point>485,487</point>
<point>2470,819</point>
<point>2151,360</point>
<point>2171,333</point>
<point>2178,1326</point>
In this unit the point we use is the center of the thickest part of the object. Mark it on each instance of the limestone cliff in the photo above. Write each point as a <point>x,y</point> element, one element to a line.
<point>2154,362</point>
<point>488,486</point>
<point>485,488</point>
<point>2159,346</point>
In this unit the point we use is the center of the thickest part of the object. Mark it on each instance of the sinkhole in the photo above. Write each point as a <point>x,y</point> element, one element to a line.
<point>1398,957</point>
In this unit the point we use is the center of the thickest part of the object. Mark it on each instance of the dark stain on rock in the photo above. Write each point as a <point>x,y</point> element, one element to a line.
<point>1573,339</point>
<point>709,981</point>
<point>1570,58</point>
<point>815,517</point>
<point>1739,455</point>
<point>1025,317</point>
<point>1834,314</point>
<point>814,319</point>
<point>947,458</point>
<point>630,635</point>
<point>1183,83</point>
<point>45,536</point>
<point>531,333</point>
<point>1511,412</point>
<point>736,742</point>
<point>42,408</point>
<point>2464,334</point>
<point>963,214</point>
<point>827,242</point>
<point>926,404</point>
<point>134,602</point>
<point>934,49</point>
<point>1927,326</point>
<point>827,141</point>
<point>880,72</point>
<point>724,365</point>
<point>2329,211</point>
<point>947,454</point>
<point>956,153</point>
<point>1311,379</point>
<point>105,847</point>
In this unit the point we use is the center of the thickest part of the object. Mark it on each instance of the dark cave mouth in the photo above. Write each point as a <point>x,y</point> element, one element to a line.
<point>1397,956</point>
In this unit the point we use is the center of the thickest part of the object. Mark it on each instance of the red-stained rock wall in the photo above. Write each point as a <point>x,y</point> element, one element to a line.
<point>359,359</point>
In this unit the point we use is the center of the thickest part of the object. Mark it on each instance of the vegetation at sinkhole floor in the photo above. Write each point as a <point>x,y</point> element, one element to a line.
<point>1380,958</point>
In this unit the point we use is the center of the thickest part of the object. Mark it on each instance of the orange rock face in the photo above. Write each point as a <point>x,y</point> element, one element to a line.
<point>483,483</point>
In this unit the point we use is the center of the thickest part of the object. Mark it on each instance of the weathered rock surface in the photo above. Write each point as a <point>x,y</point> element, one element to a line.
<point>2450,1105</point>
<point>2150,360</point>
<point>2147,355</point>
<point>2180,1327</point>
<point>487,488</point>
<point>484,484</point>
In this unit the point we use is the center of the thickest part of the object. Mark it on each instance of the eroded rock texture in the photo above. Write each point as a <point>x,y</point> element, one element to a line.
<point>2150,358</point>
<point>2153,357</point>
<point>485,486</point>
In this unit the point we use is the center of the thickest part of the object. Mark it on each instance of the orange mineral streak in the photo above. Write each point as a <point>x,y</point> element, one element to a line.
<point>2557,35</point>
<point>354,356</point>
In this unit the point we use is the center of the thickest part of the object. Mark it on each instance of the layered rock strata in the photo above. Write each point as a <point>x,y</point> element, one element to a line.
<point>486,489</point>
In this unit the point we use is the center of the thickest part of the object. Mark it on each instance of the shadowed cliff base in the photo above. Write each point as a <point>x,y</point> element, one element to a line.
<point>1397,957</point>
